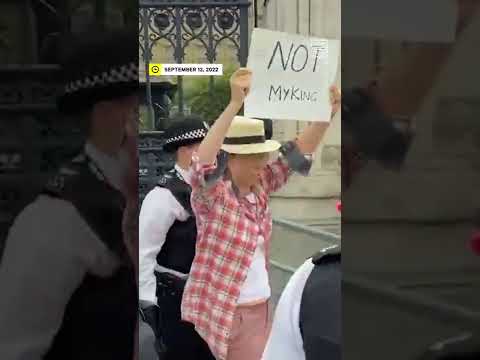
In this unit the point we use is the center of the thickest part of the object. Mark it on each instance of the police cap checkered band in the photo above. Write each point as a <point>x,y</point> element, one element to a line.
<point>123,73</point>
<point>190,135</point>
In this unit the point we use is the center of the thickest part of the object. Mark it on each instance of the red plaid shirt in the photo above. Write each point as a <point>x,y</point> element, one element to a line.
<point>228,229</point>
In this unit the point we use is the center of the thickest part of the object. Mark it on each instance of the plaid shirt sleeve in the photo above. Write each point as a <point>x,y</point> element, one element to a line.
<point>206,181</point>
<point>276,174</point>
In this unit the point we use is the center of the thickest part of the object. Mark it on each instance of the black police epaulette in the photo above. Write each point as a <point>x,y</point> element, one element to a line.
<point>65,176</point>
<point>166,178</point>
<point>178,187</point>
<point>327,255</point>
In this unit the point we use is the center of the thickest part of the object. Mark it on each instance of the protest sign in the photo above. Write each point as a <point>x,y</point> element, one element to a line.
<point>291,76</point>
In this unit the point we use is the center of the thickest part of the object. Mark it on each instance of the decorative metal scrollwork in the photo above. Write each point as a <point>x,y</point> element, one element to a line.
<point>153,161</point>
<point>200,32</point>
<point>161,26</point>
<point>227,27</point>
<point>162,21</point>
<point>194,20</point>
<point>209,22</point>
<point>141,36</point>
<point>150,143</point>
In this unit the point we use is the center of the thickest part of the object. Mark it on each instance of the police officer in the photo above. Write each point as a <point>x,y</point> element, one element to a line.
<point>69,288</point>
<point>167,238</point>
<point>307,322</point>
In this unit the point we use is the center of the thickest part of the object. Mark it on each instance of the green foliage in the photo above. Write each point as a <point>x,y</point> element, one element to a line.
<point>199,99</point>
<point>209,104</point>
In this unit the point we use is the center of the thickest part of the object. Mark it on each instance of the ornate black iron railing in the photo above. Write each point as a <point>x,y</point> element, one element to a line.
<point>181,23</point>
<point>153,161</point>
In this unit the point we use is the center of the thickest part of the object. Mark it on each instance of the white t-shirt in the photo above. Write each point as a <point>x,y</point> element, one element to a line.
<point>256,286</point>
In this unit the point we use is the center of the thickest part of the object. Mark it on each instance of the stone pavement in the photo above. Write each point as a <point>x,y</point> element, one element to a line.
<point>290,248</point>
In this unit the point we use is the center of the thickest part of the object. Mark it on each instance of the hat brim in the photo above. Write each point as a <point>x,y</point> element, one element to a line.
<point>266,147</point>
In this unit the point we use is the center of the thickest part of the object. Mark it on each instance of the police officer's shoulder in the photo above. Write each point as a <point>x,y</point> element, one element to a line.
<point>67,176</point>
<point>174,183</point>
<point>327,255</point>
<point>166,178</point>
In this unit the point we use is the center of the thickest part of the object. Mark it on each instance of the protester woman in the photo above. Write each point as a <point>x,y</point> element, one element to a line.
<point>234,171</point>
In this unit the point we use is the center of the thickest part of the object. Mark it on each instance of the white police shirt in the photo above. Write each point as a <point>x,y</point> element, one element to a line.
<point>49,250</point>
<point>285,341</point>
<point>159,211</point>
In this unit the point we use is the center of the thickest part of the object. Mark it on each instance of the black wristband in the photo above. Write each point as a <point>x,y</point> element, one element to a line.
<point>297,161</point>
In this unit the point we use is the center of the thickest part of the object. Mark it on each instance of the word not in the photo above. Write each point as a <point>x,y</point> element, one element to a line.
<point>298,56</point>
<point>292,93</point>
<point>185,69</point>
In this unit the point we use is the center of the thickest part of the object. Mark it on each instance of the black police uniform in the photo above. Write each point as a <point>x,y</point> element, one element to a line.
<point>180,337</point>
<point>100,318</point>
<point>320,309</point>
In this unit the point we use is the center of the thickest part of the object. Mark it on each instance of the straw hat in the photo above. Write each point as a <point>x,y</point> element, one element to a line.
<point>247,136</point>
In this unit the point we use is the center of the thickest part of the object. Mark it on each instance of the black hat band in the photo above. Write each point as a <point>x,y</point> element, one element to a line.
<point>244,140</point>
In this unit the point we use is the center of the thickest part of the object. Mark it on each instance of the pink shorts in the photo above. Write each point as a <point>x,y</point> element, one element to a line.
<point>250,331</point>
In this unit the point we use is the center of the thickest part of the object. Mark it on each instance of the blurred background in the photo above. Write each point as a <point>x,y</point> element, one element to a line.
<point>34,139</point>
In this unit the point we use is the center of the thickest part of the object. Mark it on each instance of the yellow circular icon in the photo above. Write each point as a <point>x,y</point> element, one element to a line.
<point>155,69</point>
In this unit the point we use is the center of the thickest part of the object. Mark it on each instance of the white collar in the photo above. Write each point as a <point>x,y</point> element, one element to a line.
<point>185,174</point>
<point>112,166</point>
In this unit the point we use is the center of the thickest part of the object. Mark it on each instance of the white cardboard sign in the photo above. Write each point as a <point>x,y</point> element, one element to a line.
<point>291,76</point>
